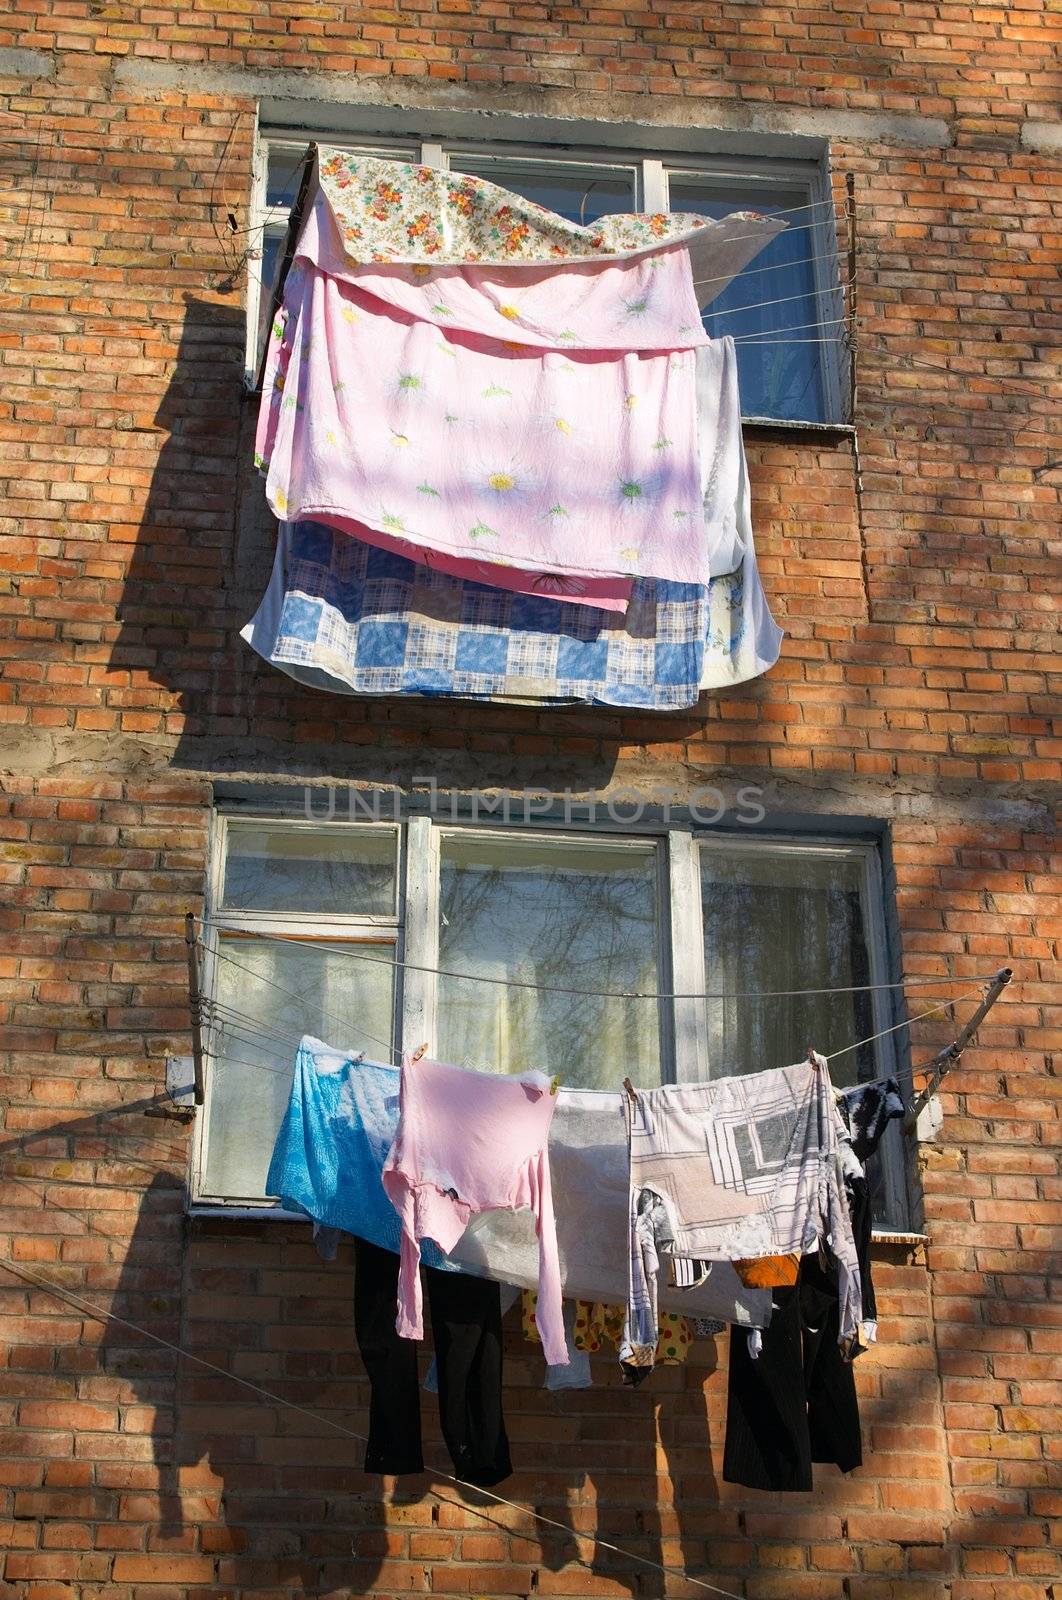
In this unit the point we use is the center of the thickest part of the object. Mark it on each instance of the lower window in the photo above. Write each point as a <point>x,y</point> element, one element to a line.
<point>593,955</point>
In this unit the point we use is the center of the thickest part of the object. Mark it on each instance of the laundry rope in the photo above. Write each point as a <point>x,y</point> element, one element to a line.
<point>931,1011</point>
<point>758,305</point>
<point>601,994</point>
<point>102,1314</point>
<point>795,327</point>
<point>242,1021</point>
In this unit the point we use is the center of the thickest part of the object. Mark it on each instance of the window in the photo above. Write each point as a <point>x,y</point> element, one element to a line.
<point>295,900</point>
<point>785,310</point>
<point>478,938</point>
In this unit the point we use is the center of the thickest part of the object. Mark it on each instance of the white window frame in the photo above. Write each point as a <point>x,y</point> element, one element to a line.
<point>650,169</point>
<point>413,930</point>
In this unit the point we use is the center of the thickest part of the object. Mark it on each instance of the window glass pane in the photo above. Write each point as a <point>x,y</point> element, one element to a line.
<point>283,172</point>
<point>268,995</point>
<point>582,193</point>
<point>346,871</point>
<point>785,920</point>
<point>774,311</point>
<point>548,912</point>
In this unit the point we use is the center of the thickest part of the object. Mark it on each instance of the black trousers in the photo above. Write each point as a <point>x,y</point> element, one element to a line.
<point>796,1402</point>
<point>466,1327</point>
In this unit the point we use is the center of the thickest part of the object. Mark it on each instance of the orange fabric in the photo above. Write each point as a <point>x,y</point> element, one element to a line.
<point>769,1272</point>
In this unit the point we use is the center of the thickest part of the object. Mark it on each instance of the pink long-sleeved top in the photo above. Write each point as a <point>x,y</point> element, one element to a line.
<point>469,1142</point>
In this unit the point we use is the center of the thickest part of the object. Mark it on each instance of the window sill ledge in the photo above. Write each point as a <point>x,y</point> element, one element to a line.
<point>772,431</point>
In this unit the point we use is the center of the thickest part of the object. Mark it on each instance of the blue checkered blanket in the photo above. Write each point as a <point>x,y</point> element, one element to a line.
<point>341,615</point>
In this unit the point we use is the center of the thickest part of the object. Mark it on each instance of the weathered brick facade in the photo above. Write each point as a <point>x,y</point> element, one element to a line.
<point>915,688</point>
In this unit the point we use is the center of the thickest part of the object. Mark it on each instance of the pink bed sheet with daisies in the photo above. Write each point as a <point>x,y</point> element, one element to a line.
<point>535,428</point>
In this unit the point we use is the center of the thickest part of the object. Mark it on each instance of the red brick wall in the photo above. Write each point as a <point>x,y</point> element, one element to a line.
<point>915,688</point>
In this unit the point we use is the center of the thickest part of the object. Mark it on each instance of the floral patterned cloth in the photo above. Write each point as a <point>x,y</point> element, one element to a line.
<point>387,211</point>
<point>583,464</point>
<point>595,1323</point>
<point>642,302</point>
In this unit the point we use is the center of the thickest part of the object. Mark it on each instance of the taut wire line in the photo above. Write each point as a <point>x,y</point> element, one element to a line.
<point>246,1030</point>
<point>910,1022</point>
<point>758,305</point>
<point>99,1313</point>
<point>552,988</point>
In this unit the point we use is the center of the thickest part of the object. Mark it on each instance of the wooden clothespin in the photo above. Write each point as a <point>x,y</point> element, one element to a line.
<point>632,1092</point>
<point>419,1051</point>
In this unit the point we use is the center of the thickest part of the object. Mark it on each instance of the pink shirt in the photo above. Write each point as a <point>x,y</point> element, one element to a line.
<point>469,1142</point>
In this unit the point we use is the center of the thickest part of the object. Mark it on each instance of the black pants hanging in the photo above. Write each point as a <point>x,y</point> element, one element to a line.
<point>466,1327</point>
<point>795,1403</point>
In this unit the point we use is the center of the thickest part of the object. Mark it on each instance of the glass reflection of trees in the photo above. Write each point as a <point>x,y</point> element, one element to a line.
<point>302,871</point>
<point>557,915</point>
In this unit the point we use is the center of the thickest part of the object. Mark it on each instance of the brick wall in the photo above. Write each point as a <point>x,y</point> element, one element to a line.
<point>915,688</point>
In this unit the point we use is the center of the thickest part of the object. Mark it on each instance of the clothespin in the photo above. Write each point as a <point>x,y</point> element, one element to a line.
<point>419,1051</point>
<point>628,1085</point>
<point>554,1084</point>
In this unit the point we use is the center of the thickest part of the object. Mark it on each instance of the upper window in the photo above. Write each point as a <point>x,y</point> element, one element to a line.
<point>785,311</point>
<point>593,955</point>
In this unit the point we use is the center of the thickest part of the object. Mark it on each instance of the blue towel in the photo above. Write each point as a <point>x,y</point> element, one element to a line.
<point>340,1123</point>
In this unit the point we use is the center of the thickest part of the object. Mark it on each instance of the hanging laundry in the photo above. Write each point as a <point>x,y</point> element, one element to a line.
<point>386,211</point>
<point>445,404</point>
<point>470,1142</point>
<point>338,615</point>
<point>589,1167</point>
<point>574,463</point>
<point>794,1401</point>
<point>576,1374</point>
<point>867,1111</point>
<point>341,1121</point>
<point>769,1272</point>
<point>466,1329</point>
<point>593,1323</point>
<point>735,1169</point>
<point>327,1162</point>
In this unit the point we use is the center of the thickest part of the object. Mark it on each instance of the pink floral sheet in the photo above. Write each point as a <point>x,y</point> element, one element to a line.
<point>644,302</point>
<point>579,462</point>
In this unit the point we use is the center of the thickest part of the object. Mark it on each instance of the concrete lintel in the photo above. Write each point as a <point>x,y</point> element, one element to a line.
<point>340,101</point>
<point>1043,137</point>
<point>15,63</point>
<point>34,753</point>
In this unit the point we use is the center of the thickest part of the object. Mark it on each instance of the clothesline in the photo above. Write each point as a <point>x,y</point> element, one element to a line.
<point>395,1055</point>
<point>758,305</point>
<point>254,1036</point>
<point>599,994</point>
<point>103,1314</point>
<point>796,327</point>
